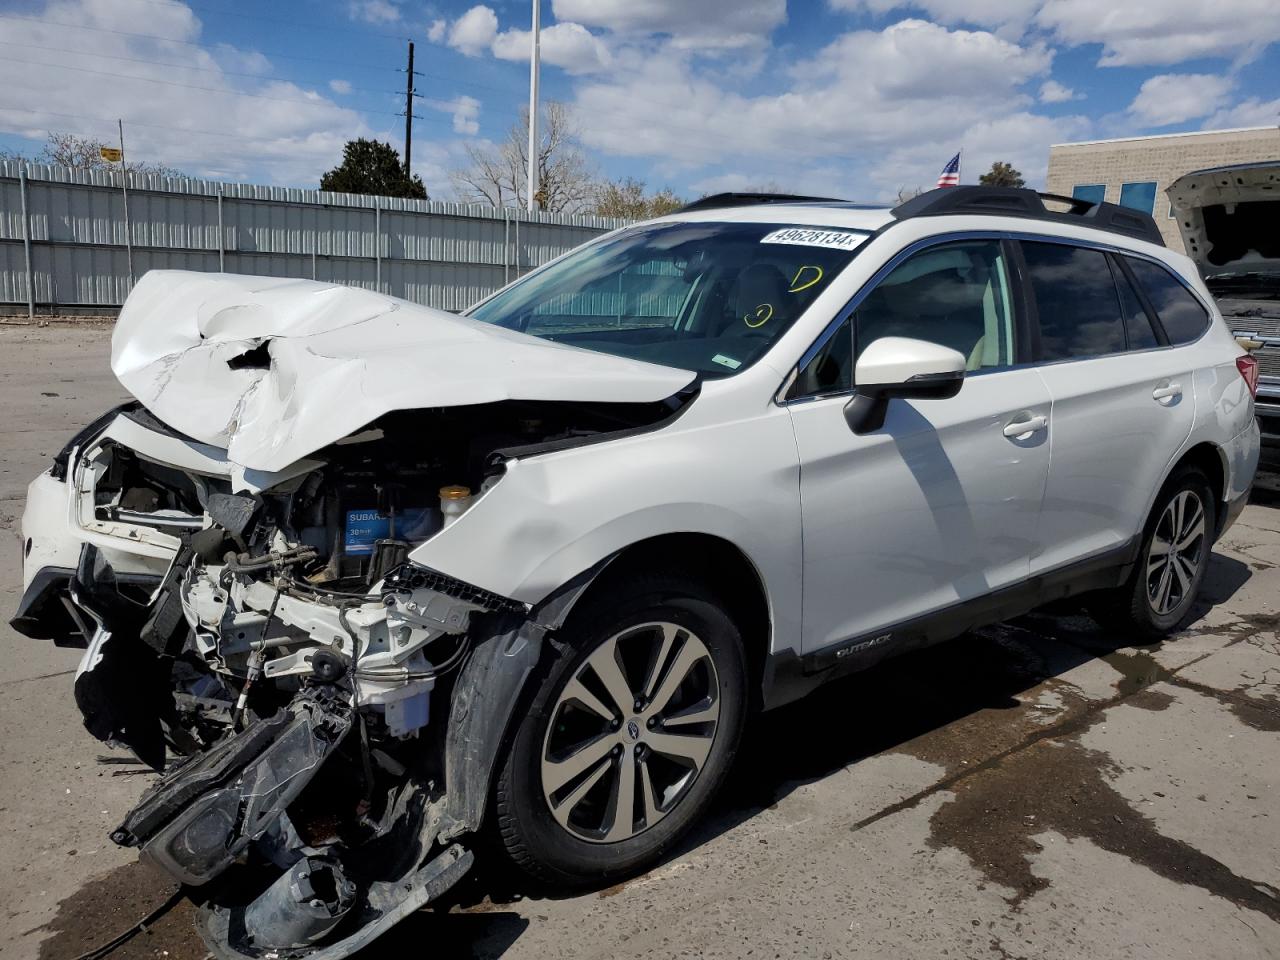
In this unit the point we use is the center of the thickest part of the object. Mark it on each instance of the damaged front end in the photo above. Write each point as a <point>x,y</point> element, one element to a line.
<point>233,551</point>
<point>327,714</point>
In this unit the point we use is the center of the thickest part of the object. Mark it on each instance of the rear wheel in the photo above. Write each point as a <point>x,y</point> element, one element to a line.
<point>1171,567</point>
<point>626,738</point>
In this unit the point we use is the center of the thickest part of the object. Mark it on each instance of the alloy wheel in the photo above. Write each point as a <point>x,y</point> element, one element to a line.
<point>1176,552</point>
<point>630,732</point>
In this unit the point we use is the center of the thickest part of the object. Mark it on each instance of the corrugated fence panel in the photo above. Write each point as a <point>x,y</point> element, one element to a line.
<point>13,274</point>
<point>445,255</point>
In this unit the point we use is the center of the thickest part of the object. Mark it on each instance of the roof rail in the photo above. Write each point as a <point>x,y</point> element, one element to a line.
<point>749,199</point>
<point>1014,202</point>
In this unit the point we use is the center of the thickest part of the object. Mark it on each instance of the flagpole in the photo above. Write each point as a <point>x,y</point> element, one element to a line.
<point>959,164</point>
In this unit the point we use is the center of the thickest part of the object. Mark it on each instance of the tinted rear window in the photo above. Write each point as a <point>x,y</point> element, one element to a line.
<point>1180,313</point>
<point>1136,321</point>
<point>1075,300</point>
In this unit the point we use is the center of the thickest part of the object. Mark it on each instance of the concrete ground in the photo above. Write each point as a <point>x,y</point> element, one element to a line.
<point>1039,789</point>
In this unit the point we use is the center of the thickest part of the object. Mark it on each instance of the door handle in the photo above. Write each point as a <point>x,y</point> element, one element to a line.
<point>1021,428</point>
<point>1167,391</point>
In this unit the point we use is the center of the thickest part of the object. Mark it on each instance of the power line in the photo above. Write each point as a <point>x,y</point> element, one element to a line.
<point>292,24</point>
<point>223,91</point>
<point>185,43</point>
<point>180,66</point>
<point>842,148</point>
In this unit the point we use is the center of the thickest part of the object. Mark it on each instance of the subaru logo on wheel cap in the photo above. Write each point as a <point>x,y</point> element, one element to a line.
<point>633,730</point>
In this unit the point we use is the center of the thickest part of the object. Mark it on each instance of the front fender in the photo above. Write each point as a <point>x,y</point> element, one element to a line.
<point>551,517</point>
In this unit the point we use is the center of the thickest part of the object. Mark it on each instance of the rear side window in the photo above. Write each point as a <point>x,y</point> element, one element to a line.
<point>1075,300</point>
<point>1180,313</point>
<point>1136,322</point>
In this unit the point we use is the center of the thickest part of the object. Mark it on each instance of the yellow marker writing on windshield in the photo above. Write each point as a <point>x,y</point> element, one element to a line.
<point>760,316</point>
<point>797,286</point>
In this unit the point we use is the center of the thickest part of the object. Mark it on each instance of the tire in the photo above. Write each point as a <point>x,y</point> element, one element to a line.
<point>565,753</point>
<point>1159,596</point>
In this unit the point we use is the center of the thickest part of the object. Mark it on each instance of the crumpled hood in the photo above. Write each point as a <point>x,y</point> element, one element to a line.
<point>273,369</point>
<point>1229,218</point>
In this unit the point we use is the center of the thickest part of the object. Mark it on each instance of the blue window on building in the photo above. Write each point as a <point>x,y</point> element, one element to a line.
<point>1093,192</point>
<point>1139,196</point>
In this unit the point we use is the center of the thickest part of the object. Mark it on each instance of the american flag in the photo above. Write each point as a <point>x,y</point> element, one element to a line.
<point>950,176</point>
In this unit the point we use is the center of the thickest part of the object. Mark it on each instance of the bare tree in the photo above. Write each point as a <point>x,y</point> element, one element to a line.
<point>71,150</point>
<point>497,173</point>
<point>909,193</point>
<point>627,200</point>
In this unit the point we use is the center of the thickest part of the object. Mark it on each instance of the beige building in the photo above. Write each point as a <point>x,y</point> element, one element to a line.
<point>1135,172</point>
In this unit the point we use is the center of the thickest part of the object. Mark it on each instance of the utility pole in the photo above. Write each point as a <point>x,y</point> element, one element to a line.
<point>124,193</point>
<point>408,114</point>
<point>533,108</point>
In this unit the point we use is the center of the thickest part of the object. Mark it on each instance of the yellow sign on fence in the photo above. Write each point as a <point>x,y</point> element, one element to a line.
<point>110,154</point>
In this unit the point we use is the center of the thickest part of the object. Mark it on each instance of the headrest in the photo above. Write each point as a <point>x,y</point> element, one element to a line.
<point>762,295</point>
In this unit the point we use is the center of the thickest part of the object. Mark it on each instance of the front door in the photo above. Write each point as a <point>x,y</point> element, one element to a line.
<point>941,504</point>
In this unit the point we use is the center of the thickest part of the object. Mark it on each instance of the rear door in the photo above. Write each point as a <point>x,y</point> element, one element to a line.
<point>1123,400</point>
<point>940,505</point>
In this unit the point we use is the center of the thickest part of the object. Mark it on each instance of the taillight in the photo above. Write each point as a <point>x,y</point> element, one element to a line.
<point>1248,367</point>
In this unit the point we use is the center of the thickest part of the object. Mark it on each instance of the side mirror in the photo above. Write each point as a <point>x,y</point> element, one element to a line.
<point>901,367</point>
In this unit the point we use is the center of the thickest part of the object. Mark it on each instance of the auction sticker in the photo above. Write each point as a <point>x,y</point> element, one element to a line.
<point>804,237</point>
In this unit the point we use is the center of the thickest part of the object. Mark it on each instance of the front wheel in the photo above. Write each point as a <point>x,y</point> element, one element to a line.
<point>1171,567</point>
<point>630,731</point>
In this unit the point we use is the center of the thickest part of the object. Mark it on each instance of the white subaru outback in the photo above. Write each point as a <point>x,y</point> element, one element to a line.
<point>368,577</point>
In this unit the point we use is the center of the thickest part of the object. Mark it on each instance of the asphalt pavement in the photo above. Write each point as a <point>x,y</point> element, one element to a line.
<point>1038,789</point>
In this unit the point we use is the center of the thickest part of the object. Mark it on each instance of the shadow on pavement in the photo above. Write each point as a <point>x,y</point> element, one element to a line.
<point>882,709</point>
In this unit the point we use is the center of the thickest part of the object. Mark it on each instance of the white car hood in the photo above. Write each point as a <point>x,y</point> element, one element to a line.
<point>336,358</point>
<point>1229,218</point>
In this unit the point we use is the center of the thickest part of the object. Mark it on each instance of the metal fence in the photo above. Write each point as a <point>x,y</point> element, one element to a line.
<point>67,240</point>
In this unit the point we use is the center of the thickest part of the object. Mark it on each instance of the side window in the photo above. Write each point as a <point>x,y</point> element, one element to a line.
<point>831,369</point>
<point>1180,313</point>
<point>1136,322</point>
<point>955,294</point>
<point>1075,299</point>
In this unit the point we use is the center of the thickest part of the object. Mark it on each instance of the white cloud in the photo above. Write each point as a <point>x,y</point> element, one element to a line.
<point>340,86</point>
<point>1171,31</point>
<point>917,59</point>
<point>474,31</point>
<point>690,23</point>
<point>1178,97</point>
<point>374,11</point>
<point>240,61</point>
<point>568,45</point>
<point>466,113</point>
<point>860,117</point>
<point>232,128</point>
<point>1051,91</point>
<point>982,13</point>
<point>436,32</point>
<point>1253,112</point>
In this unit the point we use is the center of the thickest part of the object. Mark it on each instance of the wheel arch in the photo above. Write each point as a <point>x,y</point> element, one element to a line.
<point>712,561</point>
<point>1212,461</point>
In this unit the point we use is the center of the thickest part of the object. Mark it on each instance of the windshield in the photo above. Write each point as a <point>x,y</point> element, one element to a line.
<point>709,297</point>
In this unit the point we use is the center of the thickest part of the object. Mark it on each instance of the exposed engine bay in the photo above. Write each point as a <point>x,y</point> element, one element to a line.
<point>326,712</point>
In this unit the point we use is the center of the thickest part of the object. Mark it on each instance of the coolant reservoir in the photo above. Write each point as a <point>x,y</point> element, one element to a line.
<point>454,501</point>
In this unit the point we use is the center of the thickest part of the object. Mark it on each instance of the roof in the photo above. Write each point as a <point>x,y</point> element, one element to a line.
<point>817,213</point>
<point>1165,136</point>
<point>970,200</point>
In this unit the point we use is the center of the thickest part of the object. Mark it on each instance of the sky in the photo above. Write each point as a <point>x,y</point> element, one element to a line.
<point>848,98</point>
